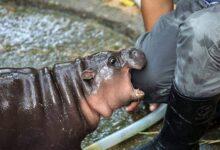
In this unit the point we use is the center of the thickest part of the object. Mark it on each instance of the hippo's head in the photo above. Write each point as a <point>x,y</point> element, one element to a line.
<point>109,80</point>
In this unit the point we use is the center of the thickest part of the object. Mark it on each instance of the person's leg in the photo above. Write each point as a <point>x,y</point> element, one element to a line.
<point>156,78</point>
<point>159,47</point>
<point>197,72</point>
<point>195,91</point>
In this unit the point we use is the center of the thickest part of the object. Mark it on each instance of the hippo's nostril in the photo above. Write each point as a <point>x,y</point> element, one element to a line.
<point>134,53</point>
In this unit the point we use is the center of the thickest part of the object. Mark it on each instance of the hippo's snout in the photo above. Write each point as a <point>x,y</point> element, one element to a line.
<point>134,58</point>
<point>139,57</point>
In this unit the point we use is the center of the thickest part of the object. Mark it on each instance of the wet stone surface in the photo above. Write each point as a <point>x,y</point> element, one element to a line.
<point>34,37</point>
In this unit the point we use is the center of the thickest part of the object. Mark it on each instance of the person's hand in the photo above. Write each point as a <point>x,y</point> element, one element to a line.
<point>134,105</point>
<point>153,106</point>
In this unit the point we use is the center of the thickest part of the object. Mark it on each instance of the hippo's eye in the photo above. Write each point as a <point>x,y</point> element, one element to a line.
<point>112,61</point>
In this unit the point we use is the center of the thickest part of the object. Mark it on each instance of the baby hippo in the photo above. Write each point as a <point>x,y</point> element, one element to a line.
<point>54,109</point>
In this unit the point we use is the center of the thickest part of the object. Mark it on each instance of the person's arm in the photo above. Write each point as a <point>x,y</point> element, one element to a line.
<point>153,9</point>
<point>151,12</point>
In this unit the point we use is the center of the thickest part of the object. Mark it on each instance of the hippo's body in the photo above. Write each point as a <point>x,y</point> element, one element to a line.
<point>40,109</point>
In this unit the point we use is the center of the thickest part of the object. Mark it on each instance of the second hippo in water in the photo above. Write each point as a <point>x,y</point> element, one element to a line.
<point>54,109</point>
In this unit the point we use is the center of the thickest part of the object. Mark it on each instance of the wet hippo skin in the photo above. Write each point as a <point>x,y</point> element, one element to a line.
<point>54,109</point>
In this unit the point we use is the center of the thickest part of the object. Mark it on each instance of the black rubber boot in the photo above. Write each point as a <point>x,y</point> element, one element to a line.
<point>217,114</point>
<point>185,122</point>
<point>216,120</point>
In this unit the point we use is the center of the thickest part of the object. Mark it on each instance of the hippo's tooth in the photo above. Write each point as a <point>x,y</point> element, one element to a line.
<point>138,93</point>
<point>136,96</point>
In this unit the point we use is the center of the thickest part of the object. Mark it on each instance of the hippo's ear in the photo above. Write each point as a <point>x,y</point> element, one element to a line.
<point>88,74</point>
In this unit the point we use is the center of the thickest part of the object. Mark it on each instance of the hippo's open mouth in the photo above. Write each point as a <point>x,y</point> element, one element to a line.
<point>137,94</point>
<point>136,61</point>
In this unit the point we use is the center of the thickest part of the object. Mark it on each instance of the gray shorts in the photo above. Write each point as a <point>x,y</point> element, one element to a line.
<point>184,47</point>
